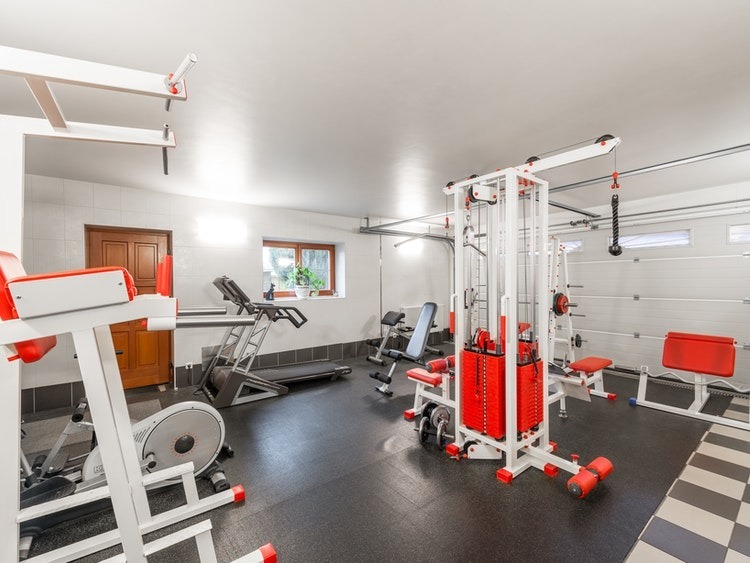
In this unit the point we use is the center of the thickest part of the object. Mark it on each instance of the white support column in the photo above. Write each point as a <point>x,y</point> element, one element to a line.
<point>459,312</point>
<point>493,258</point>
<point>98,363</point>
<point>542,299</point>
<point>511,316</point>
<point>11,239</point>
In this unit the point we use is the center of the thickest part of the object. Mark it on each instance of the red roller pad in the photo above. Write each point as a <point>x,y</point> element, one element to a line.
<point>699,353</point>
<point>164,276</point>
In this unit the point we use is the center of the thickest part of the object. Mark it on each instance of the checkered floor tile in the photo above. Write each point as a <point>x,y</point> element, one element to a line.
<point>738,409</point>
<point>706,515</point>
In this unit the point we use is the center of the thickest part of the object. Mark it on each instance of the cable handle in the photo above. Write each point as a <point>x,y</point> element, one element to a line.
<point>615,249</point>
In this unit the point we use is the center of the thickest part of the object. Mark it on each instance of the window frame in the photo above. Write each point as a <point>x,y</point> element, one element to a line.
<point>729,233</point>
<point>298,247</point>
<point>625,240</point>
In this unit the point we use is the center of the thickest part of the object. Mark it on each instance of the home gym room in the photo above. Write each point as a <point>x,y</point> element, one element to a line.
<point>260,310</point>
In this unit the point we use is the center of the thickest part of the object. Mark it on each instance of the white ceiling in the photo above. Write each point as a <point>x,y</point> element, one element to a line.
<point>368,108</point>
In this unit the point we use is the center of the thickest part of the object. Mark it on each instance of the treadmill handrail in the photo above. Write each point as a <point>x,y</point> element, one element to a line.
<point>283,313</point>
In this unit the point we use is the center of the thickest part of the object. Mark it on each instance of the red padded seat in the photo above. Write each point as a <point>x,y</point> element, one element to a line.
<point>591,364</point>
<point>699,353</point>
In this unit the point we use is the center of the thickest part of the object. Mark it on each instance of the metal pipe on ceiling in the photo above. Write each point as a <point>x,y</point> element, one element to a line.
<point>380,231</point>
<point>592,181</point>
<point>654,167</point>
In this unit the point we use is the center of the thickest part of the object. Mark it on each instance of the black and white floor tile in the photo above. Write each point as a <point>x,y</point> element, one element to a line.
<point>738,409</point>
<point>705,516</point>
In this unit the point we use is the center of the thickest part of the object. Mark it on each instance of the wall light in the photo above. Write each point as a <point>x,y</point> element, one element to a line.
<point>221,231</point>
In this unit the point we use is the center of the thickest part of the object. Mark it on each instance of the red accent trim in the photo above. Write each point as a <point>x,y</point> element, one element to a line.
<point>127,278</point>
<point>268,552</point>
<point>504,475</point>
<point>239,493</point>
<point>14,357</point>
<point>452,322</point>
<point>554,445</point>
<point>421,375</point>
<point>409,414</point>
<point>551,470</point>
<point>590,364</point>
<point>452,449</point>
<point>699,353</point>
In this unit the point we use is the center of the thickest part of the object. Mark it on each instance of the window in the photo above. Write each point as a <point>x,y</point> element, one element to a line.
<point>572,246</point>
<point>655,240</point>
<point>279,257</point>
<point>739,233</point>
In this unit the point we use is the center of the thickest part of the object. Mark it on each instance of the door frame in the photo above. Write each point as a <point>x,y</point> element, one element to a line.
<point>137,230</point>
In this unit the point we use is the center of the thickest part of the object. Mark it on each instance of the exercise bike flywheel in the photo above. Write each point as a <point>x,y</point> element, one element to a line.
<point>188,431</point>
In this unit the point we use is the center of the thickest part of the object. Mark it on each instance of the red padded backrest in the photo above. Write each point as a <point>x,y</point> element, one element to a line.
<point>699,353</point>
<point>28,350</point>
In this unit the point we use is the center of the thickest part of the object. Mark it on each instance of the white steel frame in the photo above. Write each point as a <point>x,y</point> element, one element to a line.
<point>89,328</point>
<point>500,190</point>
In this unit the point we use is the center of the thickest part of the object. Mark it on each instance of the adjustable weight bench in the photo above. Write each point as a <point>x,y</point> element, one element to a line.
<point>703,355</point>
<point>414,351</point>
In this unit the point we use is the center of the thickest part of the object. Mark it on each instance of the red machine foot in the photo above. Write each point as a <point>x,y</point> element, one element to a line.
<point>452,450</point>
<point>551,470</point>
<point>601,467</point>
<point>268,553</point>
<point>612,396</point>
<point>239,493</point>
<point>554,445</point>
<point>582,483</point>
<point>409,414</point>
<point>505,476</point>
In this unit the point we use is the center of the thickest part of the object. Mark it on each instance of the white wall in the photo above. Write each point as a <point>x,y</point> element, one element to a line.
<point>56,211</point>
<point>697,277</point>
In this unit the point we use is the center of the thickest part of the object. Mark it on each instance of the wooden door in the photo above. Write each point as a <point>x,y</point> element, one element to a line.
<point>146,356</point>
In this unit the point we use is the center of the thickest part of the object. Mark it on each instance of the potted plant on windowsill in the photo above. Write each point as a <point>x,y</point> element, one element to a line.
<point>303,279</point>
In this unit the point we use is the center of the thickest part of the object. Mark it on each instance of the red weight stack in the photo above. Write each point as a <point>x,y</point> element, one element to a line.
<point>530,392</point>
<point>483,393</point>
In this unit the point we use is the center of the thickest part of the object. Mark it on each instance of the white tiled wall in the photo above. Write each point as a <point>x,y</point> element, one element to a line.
<point>56,211</point>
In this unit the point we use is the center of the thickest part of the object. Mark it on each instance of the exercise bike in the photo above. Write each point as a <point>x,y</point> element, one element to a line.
<point>188,431</point>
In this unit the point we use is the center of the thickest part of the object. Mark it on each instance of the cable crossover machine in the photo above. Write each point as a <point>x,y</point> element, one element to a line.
<point>500,381</point>
<point>229,378</point>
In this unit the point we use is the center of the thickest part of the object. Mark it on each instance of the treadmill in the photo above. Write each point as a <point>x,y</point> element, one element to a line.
<point>228,378</point>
